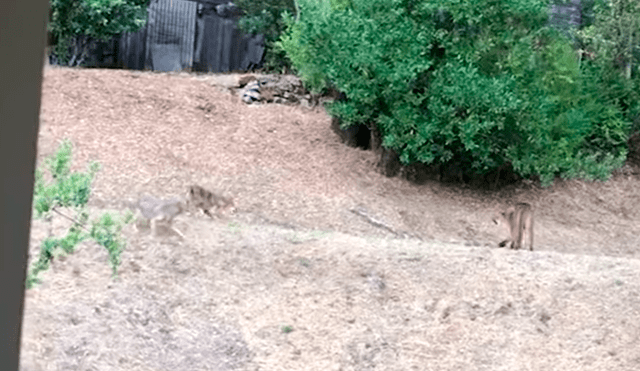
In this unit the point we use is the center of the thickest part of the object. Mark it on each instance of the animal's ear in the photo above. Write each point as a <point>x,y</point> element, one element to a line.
<point>496,213</point>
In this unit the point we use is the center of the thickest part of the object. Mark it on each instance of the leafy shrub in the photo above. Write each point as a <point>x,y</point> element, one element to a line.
<point>610,43</point>
<point>479,83</point>
<point>74,22</point>
<point>71,191</point>
<point>265,17</point>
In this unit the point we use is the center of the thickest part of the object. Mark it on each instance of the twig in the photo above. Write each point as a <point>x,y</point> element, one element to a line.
<point>361,211</point>
<point>81,225</point>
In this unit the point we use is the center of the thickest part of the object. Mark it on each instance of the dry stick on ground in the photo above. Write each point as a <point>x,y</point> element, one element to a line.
<point>81,225</point>
<point>361,211</point>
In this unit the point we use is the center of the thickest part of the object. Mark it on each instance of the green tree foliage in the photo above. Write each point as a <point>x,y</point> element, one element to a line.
<point>74,22</point>
<point>614,33</point>
<point>265,17</point>
<point>610,43</point>
<point>69,191</point>
<point>480,83</point>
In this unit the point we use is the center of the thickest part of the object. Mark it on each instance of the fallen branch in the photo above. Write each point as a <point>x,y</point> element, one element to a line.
<point>361,211</point>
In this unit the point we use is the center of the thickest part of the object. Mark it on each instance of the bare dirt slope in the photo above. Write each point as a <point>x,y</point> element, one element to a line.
<point>299,255</point>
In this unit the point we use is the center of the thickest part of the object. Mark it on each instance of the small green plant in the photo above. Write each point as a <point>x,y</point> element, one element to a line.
<point>287,329</point>
<point>304,262</point>
<point>294,238</point>
<point>106,232</point>
<point>234,227</point>
<point>319,234</point>
<point>65,192</point>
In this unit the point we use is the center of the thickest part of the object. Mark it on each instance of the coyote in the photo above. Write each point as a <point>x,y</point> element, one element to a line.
<point>205,200</point>
<point>156,210</point>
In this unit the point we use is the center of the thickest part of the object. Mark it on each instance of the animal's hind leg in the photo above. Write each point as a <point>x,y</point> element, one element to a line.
<point>166,225</point>
<point>531,235</point>
<point>177,231</point>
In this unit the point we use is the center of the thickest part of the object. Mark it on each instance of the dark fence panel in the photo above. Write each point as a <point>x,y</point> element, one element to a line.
<point>225,47</point>
<point>216,47</point>
<point>131,49</point>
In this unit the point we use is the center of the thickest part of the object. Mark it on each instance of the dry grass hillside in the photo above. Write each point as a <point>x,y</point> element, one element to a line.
<point>304,277</point>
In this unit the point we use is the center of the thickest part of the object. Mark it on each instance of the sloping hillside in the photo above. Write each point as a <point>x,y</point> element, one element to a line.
<point>303,253</point>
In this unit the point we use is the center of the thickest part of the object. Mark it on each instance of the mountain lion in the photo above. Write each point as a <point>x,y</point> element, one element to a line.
<point>519,220</point>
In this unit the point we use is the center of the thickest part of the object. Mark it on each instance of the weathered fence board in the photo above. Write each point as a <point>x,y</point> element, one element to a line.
<point>170,35</point>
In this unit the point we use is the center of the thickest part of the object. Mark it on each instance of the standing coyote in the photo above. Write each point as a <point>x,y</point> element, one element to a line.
<point>519,220</point>
<point>205,200</point>
<point>156,210</point>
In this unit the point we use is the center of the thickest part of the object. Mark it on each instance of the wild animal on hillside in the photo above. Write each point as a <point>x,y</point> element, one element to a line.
<point>206,200</point>
<point>519,220</point>
<point>159,211</point>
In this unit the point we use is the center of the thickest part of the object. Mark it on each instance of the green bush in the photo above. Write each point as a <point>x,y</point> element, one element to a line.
<point>610,43</point>
<point>70,191</point>
<point>265,17</point>
<point>479,83</point>
<point>74,22</point>
<point>574,130</point>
